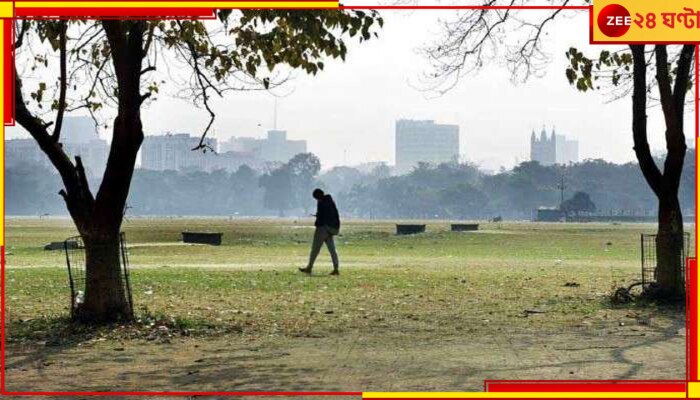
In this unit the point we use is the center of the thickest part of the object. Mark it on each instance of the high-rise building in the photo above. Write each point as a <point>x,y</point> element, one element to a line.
<point>79,130</point>
<point>553,149</point>
<point>543,150</point>
<point>173,152</point>
<point>567,150</point>
<point>78,137</point>
<point>274,148</point>
<point>424,141</point>
<point>25,152</point>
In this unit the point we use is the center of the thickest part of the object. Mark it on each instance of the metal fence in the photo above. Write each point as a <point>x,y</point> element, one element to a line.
<point>650,261</point>
<point>75,262</point>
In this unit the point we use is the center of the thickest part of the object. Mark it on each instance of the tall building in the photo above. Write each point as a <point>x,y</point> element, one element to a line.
<point>78,130</point>
<point>78,137</point>
<point>25,152</point>
<point>274,148</point>
<point>173,152</point>
<point>552,149</point>
<point>424,141</point>
<point>567,150</point>
<point>543,150</point>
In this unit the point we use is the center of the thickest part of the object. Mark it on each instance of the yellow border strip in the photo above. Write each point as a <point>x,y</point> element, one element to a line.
<point>6,9</point>
<point>693,389</point>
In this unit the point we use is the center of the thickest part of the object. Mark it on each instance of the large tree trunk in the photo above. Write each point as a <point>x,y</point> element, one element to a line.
<point>105,297</point>
<point>669,249</point>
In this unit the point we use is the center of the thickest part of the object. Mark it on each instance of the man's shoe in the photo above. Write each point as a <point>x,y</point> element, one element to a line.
<point>305,270</point>
<point>335,272</point>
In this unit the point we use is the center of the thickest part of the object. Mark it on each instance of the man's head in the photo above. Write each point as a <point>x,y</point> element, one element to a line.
<point>318,194</point>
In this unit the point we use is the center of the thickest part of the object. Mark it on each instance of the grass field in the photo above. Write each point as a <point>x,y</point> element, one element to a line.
<point>435,311</point>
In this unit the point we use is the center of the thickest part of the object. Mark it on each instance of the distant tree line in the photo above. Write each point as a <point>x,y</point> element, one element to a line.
<point>451,191</point>
<point>462,191</point>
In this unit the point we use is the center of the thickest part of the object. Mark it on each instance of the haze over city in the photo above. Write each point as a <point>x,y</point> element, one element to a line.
<point>347,113</point>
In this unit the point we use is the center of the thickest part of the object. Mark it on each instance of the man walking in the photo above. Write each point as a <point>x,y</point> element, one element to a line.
<point>327,225</point>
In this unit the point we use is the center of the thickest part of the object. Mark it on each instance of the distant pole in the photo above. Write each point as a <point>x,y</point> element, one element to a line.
<point>561,188</point>
<point>274,116</point>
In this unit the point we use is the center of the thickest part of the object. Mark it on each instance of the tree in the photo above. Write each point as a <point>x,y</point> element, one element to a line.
<point>246,190</point>
<point>477,36</point>
<point>463,201</point>
<point>672,89</point>
<point>279,194</point>
<point>104,63</point>
<point>303,168</point>
<point>578,203</point>
<point>341,179</point>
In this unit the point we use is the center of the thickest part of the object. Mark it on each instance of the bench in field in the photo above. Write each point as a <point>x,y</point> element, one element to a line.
<point>465,227</point>
<point>212,238</point>
<point>403,229</point>
<point>70,244</point>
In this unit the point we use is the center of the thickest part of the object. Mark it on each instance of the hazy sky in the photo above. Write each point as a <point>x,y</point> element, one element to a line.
<point>347,112</point>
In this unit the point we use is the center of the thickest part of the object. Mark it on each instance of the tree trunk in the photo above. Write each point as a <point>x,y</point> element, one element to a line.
<point>669,249</point>
<point>105,297</point>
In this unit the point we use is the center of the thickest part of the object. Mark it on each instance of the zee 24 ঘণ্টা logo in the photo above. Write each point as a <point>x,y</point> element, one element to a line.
<point>614,21</point>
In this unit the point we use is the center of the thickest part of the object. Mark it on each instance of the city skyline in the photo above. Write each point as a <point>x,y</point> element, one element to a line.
<point>347,112</point>
<point>276,148</point>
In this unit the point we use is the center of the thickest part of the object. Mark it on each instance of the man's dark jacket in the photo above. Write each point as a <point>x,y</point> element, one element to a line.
<point>327,213</point>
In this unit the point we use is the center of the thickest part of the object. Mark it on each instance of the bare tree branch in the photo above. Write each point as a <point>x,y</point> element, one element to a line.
<point>19,39</point>
<point>477,36</point>
<point>204,84</point>
<point>639,122</point>
<point>63,83</point>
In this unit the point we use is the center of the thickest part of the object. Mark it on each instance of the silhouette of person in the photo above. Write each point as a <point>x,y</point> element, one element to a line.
<point>327,225</point>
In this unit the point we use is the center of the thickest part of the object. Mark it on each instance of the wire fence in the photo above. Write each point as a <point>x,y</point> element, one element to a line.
<point>650,260</point>
<point>76,263</point>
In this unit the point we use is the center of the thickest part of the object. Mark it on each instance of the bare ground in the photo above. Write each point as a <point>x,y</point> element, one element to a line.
<point>393,362</point>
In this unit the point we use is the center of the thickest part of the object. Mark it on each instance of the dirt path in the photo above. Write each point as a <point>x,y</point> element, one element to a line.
<point>393,362</point>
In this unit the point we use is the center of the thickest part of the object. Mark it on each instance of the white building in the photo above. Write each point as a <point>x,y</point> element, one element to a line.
<point>425,141</point>
<point>24,152</point>
<point>173,152</point>
<point>567,150</point>
<point>78,137</point>
<point>275,148</point>
<point>553,149</point>
<point>79,130</point>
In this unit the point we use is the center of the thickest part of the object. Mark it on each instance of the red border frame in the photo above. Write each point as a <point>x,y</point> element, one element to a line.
<point>501,386</point>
